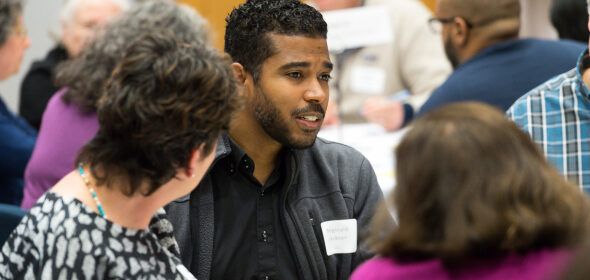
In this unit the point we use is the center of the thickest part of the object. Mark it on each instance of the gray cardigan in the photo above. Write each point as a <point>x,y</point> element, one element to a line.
<point>328,181</point>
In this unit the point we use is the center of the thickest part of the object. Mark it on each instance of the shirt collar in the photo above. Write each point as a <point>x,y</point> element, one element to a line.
<point>236,153</point>
<point>582,65</point>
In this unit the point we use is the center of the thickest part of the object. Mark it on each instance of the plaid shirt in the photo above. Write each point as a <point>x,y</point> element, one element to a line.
<point>556,115</point>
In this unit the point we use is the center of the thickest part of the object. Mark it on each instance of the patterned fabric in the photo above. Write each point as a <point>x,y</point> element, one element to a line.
<point>61,238</point>
<point>556,115</point>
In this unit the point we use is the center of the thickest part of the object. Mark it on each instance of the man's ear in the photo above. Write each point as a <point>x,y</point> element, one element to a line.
<point>239,72</point>
<point>460,31</point>
<point>244,79</point>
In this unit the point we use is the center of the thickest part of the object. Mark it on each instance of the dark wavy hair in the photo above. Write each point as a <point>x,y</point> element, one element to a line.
<point>471,184</point>
<point>248,27</point>
<point>86,75</point>
<point>164,99</point>
<point>10,10</point>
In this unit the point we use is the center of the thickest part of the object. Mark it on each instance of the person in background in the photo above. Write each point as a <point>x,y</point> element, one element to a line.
<point>80,20</point>
<point>476,199</point>
<point>413,61</point>
<point>160,116</point>
<point>492,65</point>
<point>277,197</point>
<point>70,119</point>
<point>555,115</point>
<point>570,19</point>
<point>17,138</point>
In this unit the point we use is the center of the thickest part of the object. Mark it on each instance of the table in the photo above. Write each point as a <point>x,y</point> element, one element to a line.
<point>374,143</point>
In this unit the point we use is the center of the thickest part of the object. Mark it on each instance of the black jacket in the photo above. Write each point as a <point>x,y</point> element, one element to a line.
<point>38,86</point>
<point>329,181</point>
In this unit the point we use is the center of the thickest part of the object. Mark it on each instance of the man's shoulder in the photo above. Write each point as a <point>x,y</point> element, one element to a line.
<point>543,99</point>
<point>327,160</point>
<point>333,150</point>
<point>573,46</point>
<point>549,90</point>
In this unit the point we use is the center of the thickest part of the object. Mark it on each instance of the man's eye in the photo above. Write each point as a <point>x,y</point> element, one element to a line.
<point>295,75</point>
<point>325,77</point>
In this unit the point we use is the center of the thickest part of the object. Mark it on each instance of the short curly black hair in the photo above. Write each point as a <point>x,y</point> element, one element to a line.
<point>249,24</point>
<point>164,99</point>
<point>10,10</point>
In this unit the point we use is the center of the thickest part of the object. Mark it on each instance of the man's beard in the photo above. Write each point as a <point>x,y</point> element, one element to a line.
<point>451,53</point>
<point>270,119</point>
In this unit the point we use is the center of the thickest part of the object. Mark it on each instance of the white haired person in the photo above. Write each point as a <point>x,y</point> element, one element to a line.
<point>80,20</point>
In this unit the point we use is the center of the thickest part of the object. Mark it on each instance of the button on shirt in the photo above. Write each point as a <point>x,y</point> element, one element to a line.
<point>249,240</point>
<point>556,116</point>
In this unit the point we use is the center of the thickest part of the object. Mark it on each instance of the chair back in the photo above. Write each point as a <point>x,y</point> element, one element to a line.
<point>10,216</point>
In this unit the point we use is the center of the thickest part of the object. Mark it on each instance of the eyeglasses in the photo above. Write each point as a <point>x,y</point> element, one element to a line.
<point>436,24</point>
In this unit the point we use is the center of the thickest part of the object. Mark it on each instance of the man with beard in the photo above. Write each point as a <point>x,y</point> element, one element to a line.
<point>491,64</point>
<point>277,203</point>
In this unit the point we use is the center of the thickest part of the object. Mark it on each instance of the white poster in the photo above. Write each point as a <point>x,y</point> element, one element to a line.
<point>358,27</point>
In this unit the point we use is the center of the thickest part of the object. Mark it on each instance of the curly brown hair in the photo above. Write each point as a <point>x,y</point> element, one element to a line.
<point>164,99</point>
<point>471,184</point>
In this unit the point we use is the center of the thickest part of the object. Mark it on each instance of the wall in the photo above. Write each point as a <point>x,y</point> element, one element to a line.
<point>535,20</point>
<point>215,12</point>
<point>430,4</point>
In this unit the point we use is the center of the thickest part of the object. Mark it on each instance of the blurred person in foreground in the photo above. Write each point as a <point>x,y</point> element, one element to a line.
<point>277,197</point>
<point>17,138</point>
<point>476,199</point>
<point>70,119</point>
<point>414,61</point>
<point>491,64</point>
<point>80,21</point>
<point>160,116</point>
<point>570,19</point>
<point>556,115</point>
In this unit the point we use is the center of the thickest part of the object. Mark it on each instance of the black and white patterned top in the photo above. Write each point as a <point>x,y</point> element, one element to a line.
<point>61,238</point>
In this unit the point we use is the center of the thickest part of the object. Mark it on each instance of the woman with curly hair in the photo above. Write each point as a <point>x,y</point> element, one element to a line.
<point>160,115</point>
<point>70,118</point>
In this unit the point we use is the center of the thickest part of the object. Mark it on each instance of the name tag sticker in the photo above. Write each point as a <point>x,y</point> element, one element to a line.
<point>185,273</point>
<point>340,236</point>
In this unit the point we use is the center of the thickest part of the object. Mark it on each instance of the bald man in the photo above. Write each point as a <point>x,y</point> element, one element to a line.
<point>491,64</point>
<point>555,115</point>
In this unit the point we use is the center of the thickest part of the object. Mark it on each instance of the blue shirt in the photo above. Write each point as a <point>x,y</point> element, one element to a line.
<point>502,73</point>
<point>556,115</point>
<point>17,140</point>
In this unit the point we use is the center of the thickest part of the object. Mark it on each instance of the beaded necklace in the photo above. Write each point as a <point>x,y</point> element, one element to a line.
<point>92,191</point>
